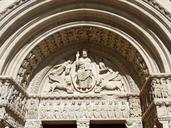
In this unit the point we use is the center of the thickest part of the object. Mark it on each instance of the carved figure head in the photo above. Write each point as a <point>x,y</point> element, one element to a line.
<point>84,53</point>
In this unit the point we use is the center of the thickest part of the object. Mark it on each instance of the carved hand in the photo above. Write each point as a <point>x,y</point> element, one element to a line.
<point>77,55</point>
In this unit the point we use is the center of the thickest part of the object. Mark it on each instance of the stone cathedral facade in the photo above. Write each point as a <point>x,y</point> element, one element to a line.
<point>85,63</point>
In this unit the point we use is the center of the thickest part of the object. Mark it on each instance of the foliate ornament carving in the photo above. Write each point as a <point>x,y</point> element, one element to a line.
<point>135,107</point>
<point>83,75</point>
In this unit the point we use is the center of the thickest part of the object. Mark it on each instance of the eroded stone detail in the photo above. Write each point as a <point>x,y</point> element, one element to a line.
<point>84,75</point>
<point>155,99</point>
<point>76,35</point>
<point>13,97</point>
<point>33,124</point>
<point>156,88</point>
<point>135,106</point>
<point>83,123</point>
<point>132,123</point>
<point>32,106</point>
<point>84,109</point>
<point>11,7</point>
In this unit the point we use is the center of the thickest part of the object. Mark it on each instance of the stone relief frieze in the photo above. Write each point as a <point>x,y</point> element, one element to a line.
<point>12,97</point>
<point>83,75</point>
<point>84,109</point>
<point>156,88</point>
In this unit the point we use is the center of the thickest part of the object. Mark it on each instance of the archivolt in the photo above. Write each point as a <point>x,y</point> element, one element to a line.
<point>147,34</point>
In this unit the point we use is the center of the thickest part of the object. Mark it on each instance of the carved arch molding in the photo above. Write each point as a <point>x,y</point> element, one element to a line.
<point>64,44</point>
<point>57,79</point>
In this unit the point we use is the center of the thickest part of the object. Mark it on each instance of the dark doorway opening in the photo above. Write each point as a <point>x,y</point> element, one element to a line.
<point>60,124</point>
<point>107,124</point>
<point>93,124</point>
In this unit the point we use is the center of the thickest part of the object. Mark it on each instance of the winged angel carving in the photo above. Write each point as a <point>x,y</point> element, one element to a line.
<point>84,75</point>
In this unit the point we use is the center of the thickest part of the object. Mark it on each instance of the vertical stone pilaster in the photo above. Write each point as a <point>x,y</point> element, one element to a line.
<point>32,107</point>
<point>83,123</point>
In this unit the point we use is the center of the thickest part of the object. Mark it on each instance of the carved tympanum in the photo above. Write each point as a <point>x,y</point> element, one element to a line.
<point>84,74</point>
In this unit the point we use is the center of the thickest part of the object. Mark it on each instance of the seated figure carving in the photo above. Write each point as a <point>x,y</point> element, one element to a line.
<point>84,75</point>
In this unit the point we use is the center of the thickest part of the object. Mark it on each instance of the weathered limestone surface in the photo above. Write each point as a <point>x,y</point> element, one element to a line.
<point>85,61</point>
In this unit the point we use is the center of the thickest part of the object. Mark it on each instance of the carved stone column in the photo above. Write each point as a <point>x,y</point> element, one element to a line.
<point>83,123</point>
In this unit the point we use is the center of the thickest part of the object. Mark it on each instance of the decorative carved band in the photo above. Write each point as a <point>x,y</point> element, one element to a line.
<point>84,109</point>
